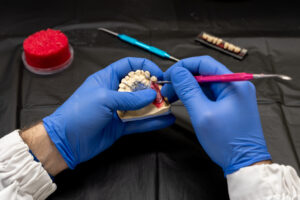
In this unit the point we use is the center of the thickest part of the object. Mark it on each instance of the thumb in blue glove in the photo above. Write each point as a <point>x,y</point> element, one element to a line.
<point>228,125</point>
<point>87,123</point>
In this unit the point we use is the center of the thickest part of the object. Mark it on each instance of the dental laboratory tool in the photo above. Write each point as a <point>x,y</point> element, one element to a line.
<point>222,45</point>
<point>142,45</point>
<point>233,77</point>
<point>140,80</point>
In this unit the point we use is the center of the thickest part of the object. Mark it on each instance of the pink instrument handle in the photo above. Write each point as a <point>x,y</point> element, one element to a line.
<point>224,77</point>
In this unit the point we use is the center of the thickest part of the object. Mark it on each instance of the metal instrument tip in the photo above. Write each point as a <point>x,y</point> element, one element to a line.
<point>163,82</point>
<point>108,31</point>
<point>281,76</point>
<point>285,77</point>
<point>174,59</point>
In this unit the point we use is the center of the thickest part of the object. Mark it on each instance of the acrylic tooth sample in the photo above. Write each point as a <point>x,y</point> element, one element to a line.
<point>221,45</point>
<point>140,80</point>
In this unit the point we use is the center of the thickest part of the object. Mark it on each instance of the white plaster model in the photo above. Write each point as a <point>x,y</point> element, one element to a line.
<point>140,80</point>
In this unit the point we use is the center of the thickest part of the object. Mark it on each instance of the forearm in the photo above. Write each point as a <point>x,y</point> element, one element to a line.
<point>43,148</point>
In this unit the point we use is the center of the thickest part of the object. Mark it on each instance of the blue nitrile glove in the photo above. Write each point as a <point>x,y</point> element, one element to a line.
<point>227,125</point>
<point>87,123</point>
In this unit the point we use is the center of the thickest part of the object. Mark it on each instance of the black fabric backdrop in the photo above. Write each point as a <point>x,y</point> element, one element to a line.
<point>169,163</point>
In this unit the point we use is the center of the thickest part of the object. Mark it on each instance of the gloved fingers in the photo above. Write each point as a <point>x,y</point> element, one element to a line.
<point>129,100</point>
<point>124,66</point>
<point>111,76</point>
<point>204,65</point>
<point>147,65</point>
<point>149,124</point>
<point>210,66</point>
<point>168,91</point>
<point>201,65</point>
<point>187,88</point>
<point>240,90</point>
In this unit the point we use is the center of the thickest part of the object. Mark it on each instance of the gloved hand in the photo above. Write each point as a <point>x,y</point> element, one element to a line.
<point>87,123</point>
<point>227,124</point>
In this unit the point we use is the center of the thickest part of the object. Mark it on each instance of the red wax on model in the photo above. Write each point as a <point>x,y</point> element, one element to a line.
<point>47,50</point>
<point>158,102</point>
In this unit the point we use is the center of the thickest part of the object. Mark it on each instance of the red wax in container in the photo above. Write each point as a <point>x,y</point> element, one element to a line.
<point>47,51</point>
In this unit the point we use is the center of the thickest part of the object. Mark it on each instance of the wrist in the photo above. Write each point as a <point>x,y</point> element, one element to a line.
<point>264,162</point>
<point>248,161</point>
<point>43,148</point>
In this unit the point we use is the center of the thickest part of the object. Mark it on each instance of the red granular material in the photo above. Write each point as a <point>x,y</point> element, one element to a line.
<point>46,49</point>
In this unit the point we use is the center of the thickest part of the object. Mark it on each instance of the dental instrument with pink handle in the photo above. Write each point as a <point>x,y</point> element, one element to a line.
<point>233,77</point>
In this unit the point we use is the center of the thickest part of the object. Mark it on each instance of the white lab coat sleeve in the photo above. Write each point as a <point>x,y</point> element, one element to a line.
<point>264,182</point>
<point>20,176</point>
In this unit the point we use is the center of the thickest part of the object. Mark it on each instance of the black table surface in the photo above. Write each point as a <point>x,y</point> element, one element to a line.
<point>169,163</point>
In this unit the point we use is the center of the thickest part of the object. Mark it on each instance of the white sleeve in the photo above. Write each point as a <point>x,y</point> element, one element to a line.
<point>20,176</point>
<point>264,182</point>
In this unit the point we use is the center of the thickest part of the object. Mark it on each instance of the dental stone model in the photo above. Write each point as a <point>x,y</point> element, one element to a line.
<point>140,80</point>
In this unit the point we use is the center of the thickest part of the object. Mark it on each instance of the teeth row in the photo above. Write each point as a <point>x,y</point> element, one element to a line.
<point>136,80</point>
<point>218,41</point>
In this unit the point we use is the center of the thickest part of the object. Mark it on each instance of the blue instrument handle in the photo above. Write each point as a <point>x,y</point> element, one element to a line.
<point>147,47</point>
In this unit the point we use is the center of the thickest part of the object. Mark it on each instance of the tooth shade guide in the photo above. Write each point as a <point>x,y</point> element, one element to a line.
<point>221,45</point>
<point>204,36</point>
<point>231,47</point>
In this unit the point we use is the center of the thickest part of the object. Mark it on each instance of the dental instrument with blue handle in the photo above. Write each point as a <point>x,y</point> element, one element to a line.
<point>142,45</point>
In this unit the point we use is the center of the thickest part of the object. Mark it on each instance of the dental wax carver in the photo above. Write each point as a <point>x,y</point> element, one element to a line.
<point>226,123</point>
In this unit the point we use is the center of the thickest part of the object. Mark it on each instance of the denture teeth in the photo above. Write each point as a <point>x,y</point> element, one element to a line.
<point>153,79</point>
<point>237,49</point>
<point>122,85</point>
<point>130,82</point>
<point>230,47</point>
<point>140,78</point>
<point>124,81</point>
<point>226,45</point>
<point>136,80</point>
<point>145,82</point>
<point>214,40</point>
<point>147,74</point>
<point>138,72</point>
<point>131,74</point>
